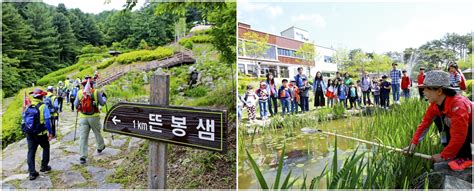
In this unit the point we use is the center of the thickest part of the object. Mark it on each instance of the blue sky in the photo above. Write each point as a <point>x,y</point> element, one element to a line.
<point>374,27</point>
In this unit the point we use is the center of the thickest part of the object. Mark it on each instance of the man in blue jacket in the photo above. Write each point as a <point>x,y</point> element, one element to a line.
<point>37,134</point>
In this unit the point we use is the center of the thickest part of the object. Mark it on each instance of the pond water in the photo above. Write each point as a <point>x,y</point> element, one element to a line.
<point>305,153</point>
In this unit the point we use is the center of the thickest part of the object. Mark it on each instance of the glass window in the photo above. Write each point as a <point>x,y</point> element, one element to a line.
<point>328,59</point>
<point>284,72</point>
<point>241,48</point>
<point>241,68</point>
<point>252,69</point>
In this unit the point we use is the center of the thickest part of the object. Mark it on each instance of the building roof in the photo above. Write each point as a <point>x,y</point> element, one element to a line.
<point>248,27</point>
<point>295,28</point>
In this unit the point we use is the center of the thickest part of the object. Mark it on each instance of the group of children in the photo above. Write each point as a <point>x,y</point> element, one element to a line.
<point>338,90</point>
<point>291,97</point>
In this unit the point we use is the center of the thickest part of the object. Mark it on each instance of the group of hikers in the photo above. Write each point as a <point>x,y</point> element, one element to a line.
<point>40,118</point>
<point>342,89</point>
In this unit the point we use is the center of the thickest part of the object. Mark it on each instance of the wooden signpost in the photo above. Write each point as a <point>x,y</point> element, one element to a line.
<point>194,127</point>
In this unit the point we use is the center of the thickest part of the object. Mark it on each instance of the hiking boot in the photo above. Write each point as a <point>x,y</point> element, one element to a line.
<point>45,169</point>
<point>100,150</point>
<point>83,160</point>
<point>34,176</point>
<point>460,164</point>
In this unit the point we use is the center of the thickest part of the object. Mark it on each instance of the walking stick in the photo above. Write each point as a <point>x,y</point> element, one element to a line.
<point>75,126</point>
<point>308,130</point>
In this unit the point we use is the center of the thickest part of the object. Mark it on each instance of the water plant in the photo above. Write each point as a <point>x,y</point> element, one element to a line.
<point>375,168</point>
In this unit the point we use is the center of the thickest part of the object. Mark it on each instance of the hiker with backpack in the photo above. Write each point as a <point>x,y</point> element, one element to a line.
<point>73,95</point>
<point>60,93</point>
<point>68,87</point>
<point>36,125</point>
<point>87,103</point>
<point>53,105</point>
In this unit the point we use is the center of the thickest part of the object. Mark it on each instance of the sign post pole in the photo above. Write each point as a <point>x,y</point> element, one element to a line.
<point>158,151</point>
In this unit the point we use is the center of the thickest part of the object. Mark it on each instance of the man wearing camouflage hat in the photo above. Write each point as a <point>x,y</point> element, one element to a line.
<point>452,114</point>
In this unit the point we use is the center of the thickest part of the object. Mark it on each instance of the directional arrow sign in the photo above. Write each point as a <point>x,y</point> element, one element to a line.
<point>195,127</point>
<point>115,120</point>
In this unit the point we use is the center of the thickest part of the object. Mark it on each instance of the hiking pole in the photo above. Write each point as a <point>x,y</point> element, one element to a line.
<point>75,126</point>
<point>107,111</point>
<point>308,130</point>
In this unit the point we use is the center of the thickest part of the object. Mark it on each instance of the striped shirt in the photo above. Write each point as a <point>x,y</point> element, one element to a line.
<point>454,79</point>
<point>395,75</point>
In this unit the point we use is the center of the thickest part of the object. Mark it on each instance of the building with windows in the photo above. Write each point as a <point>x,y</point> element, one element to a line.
<point>282,58</point>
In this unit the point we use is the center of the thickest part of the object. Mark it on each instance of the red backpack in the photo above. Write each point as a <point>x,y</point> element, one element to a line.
<point>88,106</point>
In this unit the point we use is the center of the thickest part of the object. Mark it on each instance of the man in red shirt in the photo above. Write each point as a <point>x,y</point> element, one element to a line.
<point>452,114</point>
<point>421,78</point>
<point>406,84</point>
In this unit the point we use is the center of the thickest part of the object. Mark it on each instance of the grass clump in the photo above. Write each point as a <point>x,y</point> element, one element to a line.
<point>144,55</point>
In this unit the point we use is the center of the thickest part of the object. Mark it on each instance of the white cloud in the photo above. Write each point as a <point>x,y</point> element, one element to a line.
<point>272,11</point>
<point>315,19</point>
<point>275,11</point>
<point>418,31</point>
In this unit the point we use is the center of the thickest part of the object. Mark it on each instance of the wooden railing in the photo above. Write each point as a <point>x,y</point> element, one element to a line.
<point>183,56</point>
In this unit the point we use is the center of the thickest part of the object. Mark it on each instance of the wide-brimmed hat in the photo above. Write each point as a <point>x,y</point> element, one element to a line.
<point>438,79</point>
<point>38,93</point>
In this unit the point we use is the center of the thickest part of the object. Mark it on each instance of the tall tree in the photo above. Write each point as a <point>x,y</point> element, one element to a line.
<point>119,26</point>
<point>307,52</point>
<point>180,28</point>
<point>341,57</point>
<point>67,40</point>
<point>255,46</point>
<point>44,39</point>
<point>16,33</point>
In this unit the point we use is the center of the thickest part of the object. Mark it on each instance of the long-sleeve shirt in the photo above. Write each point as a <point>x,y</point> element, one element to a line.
<point>454,79</point>
<point>376,89</point>
<point>319,83</point>
<point>395,75</point>
<point>271,89</point>
<point>458,112</point>
<point>365,84</point>
<point>250,98</point>
<point>262,95</point>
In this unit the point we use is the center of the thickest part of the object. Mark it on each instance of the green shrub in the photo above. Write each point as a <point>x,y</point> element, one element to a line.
<point>88,71</point>
<point>202,32</point>
<point>83,67</point>
<point>196,91</point>
<point>201,39</point>
<point>469,88</point>
<point>106,63</point>
<point>93,49</point>
<point>82,64</point>
<point>186,42</point>
<point>144,55</point>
